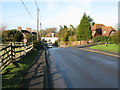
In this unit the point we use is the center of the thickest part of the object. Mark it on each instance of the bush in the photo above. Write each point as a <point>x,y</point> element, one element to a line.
<point>115,38</point>
<point>29,37</point>
<point>71,38</point>
<point>101,39</point>
<point>12,35</point>
<point>37,45</point>
<point>56,43</point>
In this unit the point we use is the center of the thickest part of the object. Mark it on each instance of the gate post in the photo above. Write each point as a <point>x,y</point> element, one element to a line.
<point>11,53</point>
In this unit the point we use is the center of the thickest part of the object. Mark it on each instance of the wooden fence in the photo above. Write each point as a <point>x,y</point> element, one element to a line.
<point>13,52</point>
<point>75,43</point>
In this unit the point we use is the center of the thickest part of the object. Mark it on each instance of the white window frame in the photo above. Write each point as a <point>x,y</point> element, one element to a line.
<point>104,31</point>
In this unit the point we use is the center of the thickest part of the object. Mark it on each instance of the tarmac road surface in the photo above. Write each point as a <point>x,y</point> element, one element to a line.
<point>75,68</point>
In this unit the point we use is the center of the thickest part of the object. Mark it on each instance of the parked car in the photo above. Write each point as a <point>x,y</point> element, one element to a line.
<point>49,46</point>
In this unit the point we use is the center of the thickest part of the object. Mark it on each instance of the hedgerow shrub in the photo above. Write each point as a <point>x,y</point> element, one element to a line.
<point>101,39</point>
<point>37,45</point>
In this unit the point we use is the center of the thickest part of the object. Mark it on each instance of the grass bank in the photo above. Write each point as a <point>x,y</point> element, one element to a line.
<point>12,76</point>
<point>109,47</point>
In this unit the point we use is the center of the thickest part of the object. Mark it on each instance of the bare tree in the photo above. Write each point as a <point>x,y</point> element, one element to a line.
<point>3,27</point>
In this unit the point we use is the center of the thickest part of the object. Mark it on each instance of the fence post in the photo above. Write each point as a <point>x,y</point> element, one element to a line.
<point>11,53</point>
<point>25,49</point>
<point>20,48</point>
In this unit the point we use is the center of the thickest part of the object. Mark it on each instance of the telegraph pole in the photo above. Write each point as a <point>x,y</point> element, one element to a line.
<point>38,23</point>
<point>40,27</point>
<point>40,31</point>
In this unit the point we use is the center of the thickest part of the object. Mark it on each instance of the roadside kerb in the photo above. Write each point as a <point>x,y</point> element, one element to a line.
<point>49,83</point>
<point>47,69</point>
<point>99,52</point>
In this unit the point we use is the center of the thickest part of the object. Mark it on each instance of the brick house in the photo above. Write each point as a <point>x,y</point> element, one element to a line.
<point>100,29</point>
<point>25,32</point>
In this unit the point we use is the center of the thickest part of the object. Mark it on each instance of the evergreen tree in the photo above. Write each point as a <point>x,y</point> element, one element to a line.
<point>12,35</point>
<point>84,29</point>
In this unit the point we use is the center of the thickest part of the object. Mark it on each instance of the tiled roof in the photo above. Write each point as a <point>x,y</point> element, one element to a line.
<point>108,28</point>
<point>105,30</point>
<point>25,31</point>
<point>99,24</point>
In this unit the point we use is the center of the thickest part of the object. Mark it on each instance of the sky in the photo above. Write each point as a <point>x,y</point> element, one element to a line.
<point>54,13</point>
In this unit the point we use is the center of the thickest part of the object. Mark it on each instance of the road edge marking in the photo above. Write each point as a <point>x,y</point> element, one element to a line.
<point>99,52</point>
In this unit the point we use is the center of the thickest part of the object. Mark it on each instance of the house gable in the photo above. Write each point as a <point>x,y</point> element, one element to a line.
<point>100,29</point>
<point>97,29</point>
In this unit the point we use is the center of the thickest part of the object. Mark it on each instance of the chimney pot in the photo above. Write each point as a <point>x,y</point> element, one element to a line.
<point>19,28</point>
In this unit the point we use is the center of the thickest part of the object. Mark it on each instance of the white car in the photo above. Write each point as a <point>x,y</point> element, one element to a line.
<point>49,46</point>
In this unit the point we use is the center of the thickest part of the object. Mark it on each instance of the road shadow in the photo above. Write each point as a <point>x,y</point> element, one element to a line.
<point>58,78</point>
<point>34,77</point>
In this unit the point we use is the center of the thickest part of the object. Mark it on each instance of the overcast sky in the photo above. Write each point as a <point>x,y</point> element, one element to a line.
<point>54,13</point>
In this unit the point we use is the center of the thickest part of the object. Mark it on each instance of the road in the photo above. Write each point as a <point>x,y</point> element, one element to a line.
<point>75,68</point>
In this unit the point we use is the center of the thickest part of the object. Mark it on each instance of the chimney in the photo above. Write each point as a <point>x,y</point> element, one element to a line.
<point>19,28</point>
<point>53,34</point>
<point>28,29</point>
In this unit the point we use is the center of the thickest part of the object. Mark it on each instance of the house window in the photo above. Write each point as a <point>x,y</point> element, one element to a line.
<point>113,32</point>
<point>94,31</point>
<point>104,31</point>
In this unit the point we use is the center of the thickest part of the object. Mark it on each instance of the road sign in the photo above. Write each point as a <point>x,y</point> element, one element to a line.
<point>25,40</point>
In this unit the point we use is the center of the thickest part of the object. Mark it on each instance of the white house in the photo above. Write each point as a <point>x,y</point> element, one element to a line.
<point>50,38</point>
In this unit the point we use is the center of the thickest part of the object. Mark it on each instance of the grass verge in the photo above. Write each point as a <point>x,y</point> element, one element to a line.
<point>109,47</point>
<point>12,76</point>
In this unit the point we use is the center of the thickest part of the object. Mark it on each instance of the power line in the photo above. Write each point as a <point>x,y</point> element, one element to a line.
<point>16,15</point>
<point>36,4</point>
<point>27,9</point>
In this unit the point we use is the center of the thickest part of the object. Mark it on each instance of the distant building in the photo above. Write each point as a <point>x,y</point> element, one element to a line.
<point>50,37</point>
<point>100,29</point>
<point>27,31</point>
